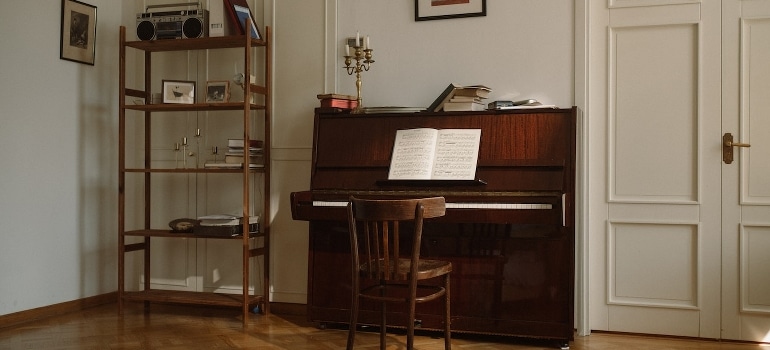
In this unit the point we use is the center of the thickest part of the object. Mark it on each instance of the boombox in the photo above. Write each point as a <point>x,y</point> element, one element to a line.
<point>180,24</point>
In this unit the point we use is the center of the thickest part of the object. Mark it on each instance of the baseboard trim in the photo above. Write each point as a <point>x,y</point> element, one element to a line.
<point>20,317</point>
<point>289,309</point>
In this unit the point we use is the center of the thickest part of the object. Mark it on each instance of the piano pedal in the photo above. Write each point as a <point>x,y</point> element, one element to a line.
<point>417,323</point>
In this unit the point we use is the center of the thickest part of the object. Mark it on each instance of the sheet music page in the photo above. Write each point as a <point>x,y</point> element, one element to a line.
<point>412,157</point>
<point>430,154</point>
<point>456,154</point>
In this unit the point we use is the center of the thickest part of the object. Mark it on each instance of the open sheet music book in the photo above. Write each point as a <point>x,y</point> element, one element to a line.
<point>432,154</point>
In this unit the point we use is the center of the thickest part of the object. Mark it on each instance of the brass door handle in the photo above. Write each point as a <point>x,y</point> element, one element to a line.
<point>727,147</point>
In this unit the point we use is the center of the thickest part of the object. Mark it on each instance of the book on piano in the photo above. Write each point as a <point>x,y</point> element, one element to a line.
<point>479,91</point>
<point>433,154</point>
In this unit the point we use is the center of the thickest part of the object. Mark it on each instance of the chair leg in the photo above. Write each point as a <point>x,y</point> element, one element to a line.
<point>447,317</point>
<point>383,325</point>
<point>410,325</point>
<point>353,319</point>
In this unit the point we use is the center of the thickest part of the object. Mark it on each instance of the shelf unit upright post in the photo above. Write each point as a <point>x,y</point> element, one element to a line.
<point>147,294</point>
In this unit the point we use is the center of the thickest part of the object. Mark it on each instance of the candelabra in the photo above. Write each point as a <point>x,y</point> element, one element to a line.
<point>363,56</point>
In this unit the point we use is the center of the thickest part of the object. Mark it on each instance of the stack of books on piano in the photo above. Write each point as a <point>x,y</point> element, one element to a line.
<point>461,98</point>
<point>338,101</point>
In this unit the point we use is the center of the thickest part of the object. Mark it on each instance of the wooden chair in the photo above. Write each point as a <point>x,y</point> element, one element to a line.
<point>375,228</point>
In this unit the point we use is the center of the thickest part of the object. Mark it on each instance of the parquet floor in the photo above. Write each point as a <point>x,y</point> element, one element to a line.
<point>190,328</point>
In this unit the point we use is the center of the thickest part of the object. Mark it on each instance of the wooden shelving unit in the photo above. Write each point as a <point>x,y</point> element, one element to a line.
<point>150,230</point>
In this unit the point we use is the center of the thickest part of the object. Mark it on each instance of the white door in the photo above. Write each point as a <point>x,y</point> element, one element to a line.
<point>654,225</point>
<point>746,181</point>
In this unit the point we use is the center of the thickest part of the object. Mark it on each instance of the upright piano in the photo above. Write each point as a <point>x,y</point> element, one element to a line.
<point>509,233</point>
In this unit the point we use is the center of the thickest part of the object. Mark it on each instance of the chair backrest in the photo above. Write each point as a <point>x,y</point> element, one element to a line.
<point>375,233</point>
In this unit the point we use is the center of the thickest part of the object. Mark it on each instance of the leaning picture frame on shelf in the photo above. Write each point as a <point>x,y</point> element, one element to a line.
<point>239,12</point>
<point>78,32</point>
<point>426,10</point>
<point>244,13</point>
<point>217,91</point>
<point>178,91</point>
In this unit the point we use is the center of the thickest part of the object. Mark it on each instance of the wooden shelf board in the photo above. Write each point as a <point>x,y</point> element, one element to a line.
<point>194,171</point>
<point>168,233</point>
<point>192,107</point>
<point>224,42</point>
<point>194,298</point>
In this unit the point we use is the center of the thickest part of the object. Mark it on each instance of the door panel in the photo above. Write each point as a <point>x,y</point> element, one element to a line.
<point>746,182</point>
<point>650,162</point>
<point>662,234</point>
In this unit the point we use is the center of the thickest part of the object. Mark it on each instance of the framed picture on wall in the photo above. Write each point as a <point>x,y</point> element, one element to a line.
<point>178,91</point>
<point>78,32</point>
<point>425,10</point>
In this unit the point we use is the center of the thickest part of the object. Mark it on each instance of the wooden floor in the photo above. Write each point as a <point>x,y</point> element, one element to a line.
<point>188,327</point>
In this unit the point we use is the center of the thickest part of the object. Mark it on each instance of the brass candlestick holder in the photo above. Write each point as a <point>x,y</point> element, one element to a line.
<point>363,56</point>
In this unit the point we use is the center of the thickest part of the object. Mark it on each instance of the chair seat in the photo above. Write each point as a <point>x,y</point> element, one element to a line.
<point>426,268</point>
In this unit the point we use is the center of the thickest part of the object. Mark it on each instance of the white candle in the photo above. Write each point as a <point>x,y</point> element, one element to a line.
<point>368,44</point>
<point>358,39</point>
<point>347,50</point>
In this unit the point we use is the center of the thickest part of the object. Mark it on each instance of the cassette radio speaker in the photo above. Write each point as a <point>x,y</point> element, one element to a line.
<point>180,24</point>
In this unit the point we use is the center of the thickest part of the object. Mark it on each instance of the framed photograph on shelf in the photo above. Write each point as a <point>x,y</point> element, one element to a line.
<point>178,91</point>
<point>426,10</point>
<point>78,32</point>
<point>218,91</point>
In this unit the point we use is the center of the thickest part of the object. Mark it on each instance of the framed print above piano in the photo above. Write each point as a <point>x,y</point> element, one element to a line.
<point>426,10</point>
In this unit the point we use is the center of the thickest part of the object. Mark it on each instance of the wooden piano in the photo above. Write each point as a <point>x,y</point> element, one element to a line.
<point>509,235</point>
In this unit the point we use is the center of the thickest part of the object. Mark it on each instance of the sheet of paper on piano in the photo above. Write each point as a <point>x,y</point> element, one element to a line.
<point>433,154</point>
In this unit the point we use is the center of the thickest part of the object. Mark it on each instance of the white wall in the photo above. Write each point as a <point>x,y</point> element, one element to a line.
<point>520,49</point>
<point>58,182</point>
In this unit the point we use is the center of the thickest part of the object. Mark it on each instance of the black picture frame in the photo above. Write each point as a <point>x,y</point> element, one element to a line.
<point>178,91</point>
<point>427,10</point>
<point>78,32</point>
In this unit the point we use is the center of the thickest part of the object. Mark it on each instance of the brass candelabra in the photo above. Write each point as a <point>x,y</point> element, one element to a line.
<point>362,53</point>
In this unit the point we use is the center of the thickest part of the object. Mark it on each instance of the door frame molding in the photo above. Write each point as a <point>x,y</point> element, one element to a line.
<point>581,97</point>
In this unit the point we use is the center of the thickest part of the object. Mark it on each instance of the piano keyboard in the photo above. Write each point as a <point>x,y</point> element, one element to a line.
<point>508,206</point>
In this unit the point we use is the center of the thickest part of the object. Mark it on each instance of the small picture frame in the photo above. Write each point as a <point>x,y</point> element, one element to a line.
<point>178,91</point>
<point>218,91</point>
<point>78,32</point>
<point>426,10</point>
